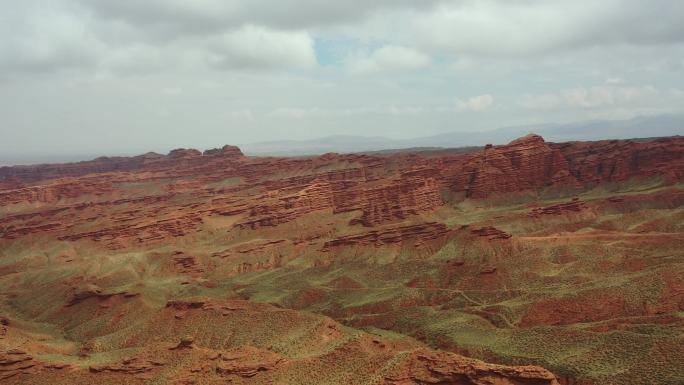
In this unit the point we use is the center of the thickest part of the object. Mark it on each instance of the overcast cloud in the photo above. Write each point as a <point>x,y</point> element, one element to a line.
<point>125,76</point>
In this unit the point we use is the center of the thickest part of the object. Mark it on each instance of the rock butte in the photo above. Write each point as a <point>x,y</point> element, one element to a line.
<point>193,267</point>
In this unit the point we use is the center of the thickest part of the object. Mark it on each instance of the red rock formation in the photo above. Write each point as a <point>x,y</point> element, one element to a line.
<point>14,362</point>
<point>388,202</point>
<point>420,233</point>
<point>184,153</point>
<point>158,230</point>
<point>187,264</point>
<point>490,233</point>
<point>225,151</point>
<point>186,342</point>
<point>524,164</point>
<point>381,190</point>
<point>574,206</point>
<point>531,163</point>
<point>146,162</point>
<point>92,291</point>
<point>133,365</point>
<point>51,193</point>
<point>274,208</point>
<point>247,362</point>
<point>425,367</point>
<point>43,172</point>
<point>11,183</point>
<point>619,160</point>
<point>396,201</point>
<point>206,303</point>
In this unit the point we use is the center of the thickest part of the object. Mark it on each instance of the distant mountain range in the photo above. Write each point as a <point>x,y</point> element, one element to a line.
<point>641,127</point>
<point>646,126</point>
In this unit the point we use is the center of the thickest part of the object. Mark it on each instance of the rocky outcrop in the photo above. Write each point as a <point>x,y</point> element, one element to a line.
<point>247,362</point>
<point>186,342</point>
<point>11,183</point>
<point>184,153</point>
<point>14,362</point>
<point>527,163</point>
<point>93,291</point>
<point>395,201</point>
<point>11,176</point>
<point>187,264</point>
<point>592,163</point>
<point>425,367</point>
<point>574,206</point>
<point>204,304</point>
<point>490,233</point>
<point>418,234</point>
<point>277,207</point>
<point>225,151</point>
<point>54,192</point>
<point>530,163</point>
<point>158,230</point>
<point>190,303</point>
<point>391,201</point>
<point>134,365</point>
<point>44,172</point>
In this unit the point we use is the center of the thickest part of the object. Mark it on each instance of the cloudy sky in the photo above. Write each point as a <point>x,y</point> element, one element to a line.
<point>125,76</point>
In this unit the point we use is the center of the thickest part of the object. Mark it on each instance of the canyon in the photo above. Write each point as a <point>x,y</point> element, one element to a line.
<point>530,262</point>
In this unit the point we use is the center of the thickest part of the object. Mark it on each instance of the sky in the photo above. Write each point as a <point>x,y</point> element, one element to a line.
<point>129,76</point>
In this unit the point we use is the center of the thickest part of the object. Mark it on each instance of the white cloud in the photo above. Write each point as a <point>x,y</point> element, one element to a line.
<point>139,59</point>
<point>676,93</point>
<point>540,102</point>
<point>240,114</point>
<point>178,17</point>
<point>388,58</point>
<point>49,36</point>
<point>257,47</point>
<point>503,27</point>
<point>46,38</point>
<point>172,91</point>
<point>296,112</point>
<point>407,110</point>
<point>476,103</point>
<point>615,80</point>
<point>380,110</point>
<point>591,97</point>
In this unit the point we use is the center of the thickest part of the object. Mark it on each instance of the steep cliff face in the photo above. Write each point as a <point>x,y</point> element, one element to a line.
<point>620,160</point>
<point>392,201</point>
<point>527,163</point>
<point>530,163</point>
